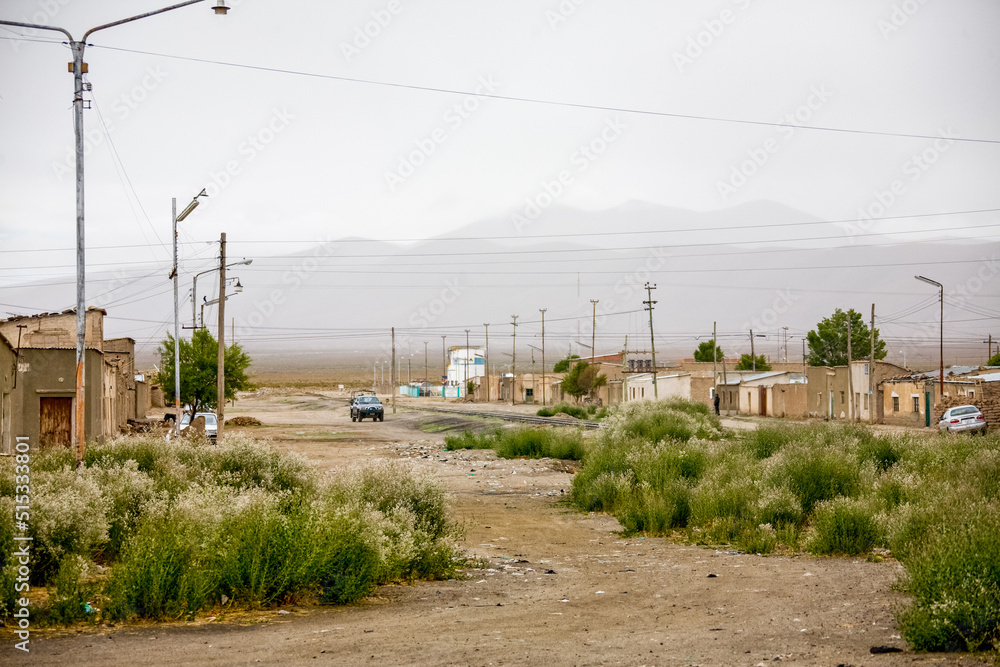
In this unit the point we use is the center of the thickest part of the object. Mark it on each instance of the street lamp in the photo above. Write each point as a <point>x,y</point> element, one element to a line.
<point>194,288</point>
<point>941,351</point>
<point>79,67</point>
<point>177,325</point>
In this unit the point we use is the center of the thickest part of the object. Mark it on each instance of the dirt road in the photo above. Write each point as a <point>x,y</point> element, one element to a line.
<point>557,588</point>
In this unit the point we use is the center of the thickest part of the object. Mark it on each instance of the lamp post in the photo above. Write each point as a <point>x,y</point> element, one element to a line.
<point>194,289</point>
<point>542,311</point>
<point>177,326</point>
<point>79,68</point>
<point>941,351</point>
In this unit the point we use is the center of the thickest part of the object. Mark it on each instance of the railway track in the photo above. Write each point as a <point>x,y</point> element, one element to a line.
<point>512,417</point>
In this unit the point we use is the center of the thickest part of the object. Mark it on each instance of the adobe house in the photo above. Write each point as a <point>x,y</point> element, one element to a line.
<point>46,377</point>
<point>10,402</point>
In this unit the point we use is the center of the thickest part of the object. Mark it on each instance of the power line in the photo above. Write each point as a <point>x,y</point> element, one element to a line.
<point>529,100</point>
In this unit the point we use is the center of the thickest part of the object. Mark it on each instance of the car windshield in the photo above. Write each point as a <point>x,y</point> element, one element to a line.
<point>367,400</point>
<point>966,410</point>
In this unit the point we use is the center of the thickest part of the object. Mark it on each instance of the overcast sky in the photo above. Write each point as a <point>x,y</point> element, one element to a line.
<point>395,119</point>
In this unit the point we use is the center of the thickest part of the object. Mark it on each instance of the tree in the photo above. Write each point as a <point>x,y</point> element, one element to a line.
<point>994,360</point>
<point>828,342</point>
<point>563,365</point>
<point>199,371</point>
<point>746,363</point>
<point>704,352</point>
<point>582,379</point>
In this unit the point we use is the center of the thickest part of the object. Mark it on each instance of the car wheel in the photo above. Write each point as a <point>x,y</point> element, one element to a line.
<point>353,417</point>
<point>381,418</point>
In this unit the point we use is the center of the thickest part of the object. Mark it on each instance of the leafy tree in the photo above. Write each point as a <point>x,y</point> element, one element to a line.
<point>563,365</point>
<point>994,360</point>
<point>828,342</point>
<point>746,363</point>
<point>704,352</point>
<point>583,379</point>
<point>199,370</point>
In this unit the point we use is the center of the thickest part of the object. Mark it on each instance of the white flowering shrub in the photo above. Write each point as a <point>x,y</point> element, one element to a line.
<point>68,517</point>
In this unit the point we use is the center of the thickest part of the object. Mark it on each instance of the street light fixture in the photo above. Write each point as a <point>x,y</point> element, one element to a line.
<point>78,69</point>
<point>194,288</point>
<point>177,324</point>
<point>941,351</point>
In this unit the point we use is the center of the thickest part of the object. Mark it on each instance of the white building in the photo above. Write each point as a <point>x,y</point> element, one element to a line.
<point>466,363</point>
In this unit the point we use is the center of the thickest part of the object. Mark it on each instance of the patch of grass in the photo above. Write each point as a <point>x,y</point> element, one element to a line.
<point>533,443</point>
<point>844,527</point>
<point>580,412</point>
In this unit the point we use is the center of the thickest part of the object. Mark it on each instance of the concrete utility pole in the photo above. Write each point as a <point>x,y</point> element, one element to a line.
<point>753,357</point>
<point>941,288</point>
<point>786,343</point>
<point>542,311</point>
<point>78,67</point>
<point>652,343</point>
<point>593,333</point>
<point>489,387</point>
<point>177,324</point>
<point>850,373</point>
<point>426,377</point>
<point>392,371</point>
<point>444,365</point>
<point>624,371</point>
<point>220,407</point>
<point>871,373</point>
<point>465,387</point>
<point>715,355</point>
<point>513,364</point>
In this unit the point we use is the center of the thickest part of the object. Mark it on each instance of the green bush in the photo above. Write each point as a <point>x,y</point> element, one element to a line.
<point>843,526</point>
<point>580,412</point>
<point>816,474</point>
<point>954,578</point>
<point>535,443</point>
<point>767,439</point>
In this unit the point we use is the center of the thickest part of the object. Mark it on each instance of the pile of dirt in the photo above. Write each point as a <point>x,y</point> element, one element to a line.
<point>244,420</point>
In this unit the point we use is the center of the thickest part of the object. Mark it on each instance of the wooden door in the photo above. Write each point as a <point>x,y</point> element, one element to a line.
<point>55,422</point>
<point>763,401</point>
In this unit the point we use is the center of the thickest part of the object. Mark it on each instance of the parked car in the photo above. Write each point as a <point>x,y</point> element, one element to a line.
<point>211,423</point>
<point>963,418</point>
<point>367,406</point>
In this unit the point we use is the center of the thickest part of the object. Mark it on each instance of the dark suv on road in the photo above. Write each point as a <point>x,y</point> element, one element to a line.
<point>366,406</point>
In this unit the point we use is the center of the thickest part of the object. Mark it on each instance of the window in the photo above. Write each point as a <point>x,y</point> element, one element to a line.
<point>895,403</point>
<point>972,393</point>
<point>866,401</point>
<point>857,399</point>
<point>916,404</point>
<point>842,400</point>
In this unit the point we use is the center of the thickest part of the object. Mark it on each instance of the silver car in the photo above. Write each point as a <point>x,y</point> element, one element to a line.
<point>211,423</point>
<point>963,418</point>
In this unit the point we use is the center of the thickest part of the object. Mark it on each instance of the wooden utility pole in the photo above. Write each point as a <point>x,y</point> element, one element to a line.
<point>466,387</point>
<point>513,364</point>
<point>624,372</point>
<point>392,371</point>
<point>427,378</point>
<point>871,373</point>
<point>652,343</point>
<point>444,365</point>
<point>489,387</point>
<point>221,379</point>
<point>593,333</point>
<point>542,311</point>
<point>850,374</point>
<point>753,357</point>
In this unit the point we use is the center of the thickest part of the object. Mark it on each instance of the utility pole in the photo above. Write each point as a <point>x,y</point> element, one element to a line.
<point>427,378</point>
<point>444,365</point>
<point>392,370</point>
<point>513,364</point>
<point>805,367</point>
<point>542,311</point>
<point>489,387</point>
<point>871,373</point>
<point>465,387</point>
<point>221,388</point>
<point>786,343</point>
<point>177,329</point>
<point>715,354</point>
<point>593,333</point>
<point>850,374</point>
<point>624,371</point>
<point>989,348</point>
<point>374,376</point>
<point>753,357</point>
<point>652,343</point>
<point>409,380</point>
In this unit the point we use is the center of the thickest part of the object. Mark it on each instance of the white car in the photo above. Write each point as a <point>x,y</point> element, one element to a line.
<point>211,423</point>
<point>963,418</point>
